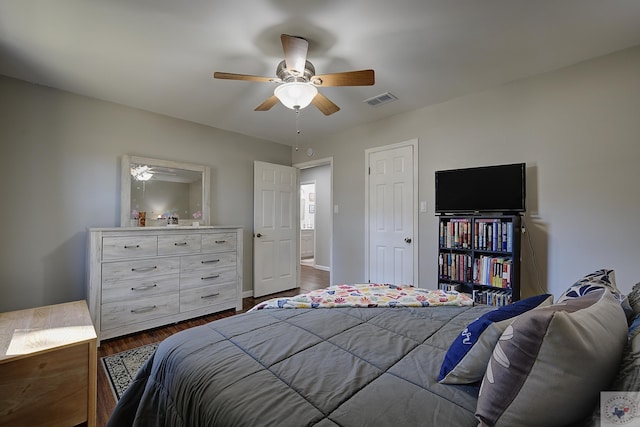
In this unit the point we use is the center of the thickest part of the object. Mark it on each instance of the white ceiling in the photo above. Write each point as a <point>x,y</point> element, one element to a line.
<point>159,55</point>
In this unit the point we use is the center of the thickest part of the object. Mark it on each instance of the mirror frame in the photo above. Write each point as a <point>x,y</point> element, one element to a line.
<point>125,184</point>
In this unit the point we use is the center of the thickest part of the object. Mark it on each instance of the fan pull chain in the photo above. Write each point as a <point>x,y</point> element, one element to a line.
<point>297,109</point>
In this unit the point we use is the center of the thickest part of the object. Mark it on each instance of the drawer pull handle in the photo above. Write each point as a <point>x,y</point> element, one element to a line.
<point>180,244</point>
<point>221,241</point>
<point>209,261</point>
<point>210,296</point>
<point>144,309</point>
<point>142,269</point>
<point>131,246</point>
<point>210,277</point>
<point>144,288</point>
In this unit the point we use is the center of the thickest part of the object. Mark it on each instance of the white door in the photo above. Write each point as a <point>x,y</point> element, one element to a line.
<point>275,228</point>
<point>391,216</point>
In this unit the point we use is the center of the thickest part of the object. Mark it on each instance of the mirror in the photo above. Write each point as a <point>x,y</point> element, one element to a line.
<point>169,193</point>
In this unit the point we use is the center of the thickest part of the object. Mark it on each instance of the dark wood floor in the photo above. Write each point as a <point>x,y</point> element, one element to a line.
<point>311,279</point>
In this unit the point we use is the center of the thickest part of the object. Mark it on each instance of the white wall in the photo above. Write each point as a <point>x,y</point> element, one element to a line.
<point>61,170</point>
<point>578,130</point>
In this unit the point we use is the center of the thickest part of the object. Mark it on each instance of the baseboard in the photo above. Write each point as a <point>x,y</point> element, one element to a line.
<point>247,294</point>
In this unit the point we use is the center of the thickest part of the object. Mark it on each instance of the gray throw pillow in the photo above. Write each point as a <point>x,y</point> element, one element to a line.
<point>634,299</point>
<point>551,363</point>
<point>603,278</point>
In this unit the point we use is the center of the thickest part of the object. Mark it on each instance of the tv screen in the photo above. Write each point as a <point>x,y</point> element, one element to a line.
<point>499,188</point>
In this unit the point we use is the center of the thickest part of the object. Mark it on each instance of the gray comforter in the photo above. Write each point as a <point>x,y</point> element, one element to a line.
<point>299,367</point>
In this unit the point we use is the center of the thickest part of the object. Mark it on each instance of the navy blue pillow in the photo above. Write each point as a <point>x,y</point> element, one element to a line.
<point>467,357</point>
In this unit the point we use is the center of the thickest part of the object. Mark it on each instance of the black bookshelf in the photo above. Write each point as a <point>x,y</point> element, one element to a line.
<point>480,255</point>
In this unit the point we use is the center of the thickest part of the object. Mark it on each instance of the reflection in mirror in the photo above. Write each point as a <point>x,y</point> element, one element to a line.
<point>166,193</point>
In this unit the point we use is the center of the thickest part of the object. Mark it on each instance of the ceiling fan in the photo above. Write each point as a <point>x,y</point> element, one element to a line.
<point>299,81</point>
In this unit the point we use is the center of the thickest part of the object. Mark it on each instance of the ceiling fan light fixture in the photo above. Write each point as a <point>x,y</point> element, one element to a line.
<point>296,94</point>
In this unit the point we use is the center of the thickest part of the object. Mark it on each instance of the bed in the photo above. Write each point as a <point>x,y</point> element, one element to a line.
<point>299,363</point>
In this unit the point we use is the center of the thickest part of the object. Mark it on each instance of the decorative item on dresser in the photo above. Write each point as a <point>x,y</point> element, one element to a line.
<point>141,278</point>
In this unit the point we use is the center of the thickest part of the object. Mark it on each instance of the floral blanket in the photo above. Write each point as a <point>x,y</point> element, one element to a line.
<point>369,295</point>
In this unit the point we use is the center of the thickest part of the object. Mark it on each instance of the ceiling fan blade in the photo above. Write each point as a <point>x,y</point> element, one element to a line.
<point>267,104</point>
<point>295,52</point>
<point>232,76</point>
<point>347,78</point>
<point>324,104</point>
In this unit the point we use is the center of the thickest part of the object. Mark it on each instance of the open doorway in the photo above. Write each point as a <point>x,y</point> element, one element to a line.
<point>316,224</point>
<point>307,222</point>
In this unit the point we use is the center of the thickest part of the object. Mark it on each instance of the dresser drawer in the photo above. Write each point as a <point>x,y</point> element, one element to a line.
<point>178,244</point>
<point>136,289</point>
<point>207,262</point>
<point>204,278</point>
<point>139,269</point>
<point>219,242</point>
<point>129,247</point>
<point>124,313</point>
<point>207,295</point>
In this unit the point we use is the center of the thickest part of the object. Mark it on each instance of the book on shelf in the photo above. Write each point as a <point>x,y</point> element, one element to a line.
<point>454,266</point>
<point>448,287</point>
<point>483,231</point>
<point>455,233</point>
<point>492,271</point>
<point>493,234</point>
<point>496,298</point>
<point>503,240</point>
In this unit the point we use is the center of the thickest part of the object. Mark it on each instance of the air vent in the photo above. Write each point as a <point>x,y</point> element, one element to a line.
<point>383,98</point>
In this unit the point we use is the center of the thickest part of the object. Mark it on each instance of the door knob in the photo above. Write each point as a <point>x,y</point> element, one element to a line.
<point>407,239</point>
<point>258,235</point>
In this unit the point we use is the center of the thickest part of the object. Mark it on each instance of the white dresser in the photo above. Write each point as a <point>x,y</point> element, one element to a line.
<point>141,278</point>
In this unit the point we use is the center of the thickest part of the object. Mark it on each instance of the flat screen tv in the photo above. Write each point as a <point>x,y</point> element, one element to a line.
<point>499,188</point>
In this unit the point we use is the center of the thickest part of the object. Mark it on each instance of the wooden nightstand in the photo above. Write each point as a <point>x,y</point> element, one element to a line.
<point>48,364</point>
